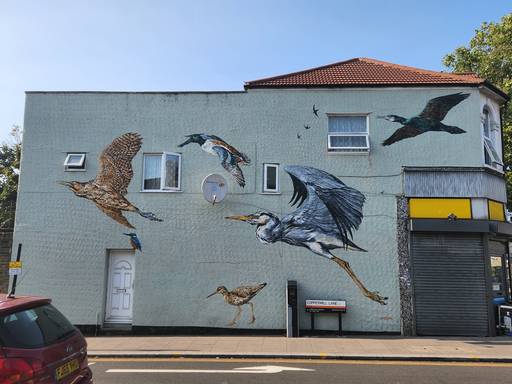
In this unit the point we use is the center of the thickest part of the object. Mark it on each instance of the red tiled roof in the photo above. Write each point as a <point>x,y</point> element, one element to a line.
<point>365,72</point>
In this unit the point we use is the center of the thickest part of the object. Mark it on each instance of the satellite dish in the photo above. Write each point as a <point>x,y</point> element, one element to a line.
<point>214,188</point>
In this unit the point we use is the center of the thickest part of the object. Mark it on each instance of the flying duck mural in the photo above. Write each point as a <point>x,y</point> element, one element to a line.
<point>109,188</point>
<point>430,119</point>
<point>229,156</point>
<point>327,213</point>
<point>238,297</point>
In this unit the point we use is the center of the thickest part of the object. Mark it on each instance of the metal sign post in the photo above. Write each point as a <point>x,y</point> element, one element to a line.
<point>15,271</point>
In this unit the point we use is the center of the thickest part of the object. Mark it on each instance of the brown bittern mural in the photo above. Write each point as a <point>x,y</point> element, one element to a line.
<point>229,156</point>
<point>429,120</point>
<point>327,213</point>
<point>238,297</point>
<point>109,188</point>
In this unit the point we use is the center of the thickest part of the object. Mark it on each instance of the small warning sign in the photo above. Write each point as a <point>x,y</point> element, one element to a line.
<point>14,268</point>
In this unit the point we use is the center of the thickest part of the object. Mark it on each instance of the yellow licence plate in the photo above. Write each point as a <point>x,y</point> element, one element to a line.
<point>66,369</point>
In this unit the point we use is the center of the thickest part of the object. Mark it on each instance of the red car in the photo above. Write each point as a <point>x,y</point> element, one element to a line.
<point>39,345</point>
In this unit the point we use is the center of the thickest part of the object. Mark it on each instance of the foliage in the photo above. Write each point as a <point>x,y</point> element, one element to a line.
<point>10,154</point>
<point>489,54</point>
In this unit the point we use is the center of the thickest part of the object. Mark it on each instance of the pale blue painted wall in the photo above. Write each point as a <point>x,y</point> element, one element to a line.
<point>195,249</point>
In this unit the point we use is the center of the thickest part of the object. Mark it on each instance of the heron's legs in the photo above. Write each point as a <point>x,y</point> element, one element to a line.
<point>253,318</point>
<point>237,316</point>
<point>371,295</point>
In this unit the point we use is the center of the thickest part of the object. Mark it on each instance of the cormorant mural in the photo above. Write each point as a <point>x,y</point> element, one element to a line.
<point>238,297</point>
<point>327,213</point>
<point>134,241</point>
<point>109,187</point>
<point>428,120</point>
<point>229,156</point>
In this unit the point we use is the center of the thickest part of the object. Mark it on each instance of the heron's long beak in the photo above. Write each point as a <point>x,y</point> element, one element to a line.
<point>239,218</point>
<point>210,295</point>
<point>188,141</point>
<point>64,183</point>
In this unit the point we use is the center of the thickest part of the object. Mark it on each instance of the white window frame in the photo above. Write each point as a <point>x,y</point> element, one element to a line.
<point>73,167</point>
<point>162,172</point>
<point>265,189</point>
<point>488,144</point>
<point>349,150</point>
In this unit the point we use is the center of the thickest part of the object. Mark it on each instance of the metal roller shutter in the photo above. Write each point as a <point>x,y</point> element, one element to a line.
<point>450,293</point>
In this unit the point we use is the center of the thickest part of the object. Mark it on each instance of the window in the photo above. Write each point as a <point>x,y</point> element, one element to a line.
<point>34,328</point>
<point>270,178</point>
<point>75,162</point>
<point>491,137</point>
<point>348,133</point>
<point>162,172</point>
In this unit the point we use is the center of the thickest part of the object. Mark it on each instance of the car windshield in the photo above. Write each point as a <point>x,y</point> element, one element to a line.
<point>34,328</point>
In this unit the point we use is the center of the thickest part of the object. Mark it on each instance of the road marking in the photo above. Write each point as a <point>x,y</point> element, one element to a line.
<point>303,361</point>
<point>262,369</point>
<point>92,363</point>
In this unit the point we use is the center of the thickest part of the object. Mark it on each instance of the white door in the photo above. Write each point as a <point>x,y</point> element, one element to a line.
<point>121,271</point>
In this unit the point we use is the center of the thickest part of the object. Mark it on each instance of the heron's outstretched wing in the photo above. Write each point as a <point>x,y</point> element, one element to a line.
<point>319,188</point>
<point>404,132</point>
<point>437,108</point>
<point>115,214</point>
<point>230,164</point>
<point>116,162</point>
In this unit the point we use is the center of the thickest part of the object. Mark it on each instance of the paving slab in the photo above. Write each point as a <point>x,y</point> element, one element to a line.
<point>497,349</point>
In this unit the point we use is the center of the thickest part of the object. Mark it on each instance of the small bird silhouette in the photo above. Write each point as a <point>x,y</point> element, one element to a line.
<point>230,157</point>
<point>327,213</point>
<point>107,190</point>
<point>315,110</point>
<point>299,136</point>
<point>428,120</point>
<point>134,241</point>
<point>307,127</point>
<point>238,297</point>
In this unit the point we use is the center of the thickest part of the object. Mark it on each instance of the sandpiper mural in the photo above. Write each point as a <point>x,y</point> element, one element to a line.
<point>428,120</point>
<point>238,297</point>
<point>229,156</point>
<point>109,188</point>
<point>327,213</point>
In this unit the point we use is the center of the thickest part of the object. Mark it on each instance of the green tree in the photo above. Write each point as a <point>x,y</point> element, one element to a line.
<point>489,54</point>
<point>10,154</point>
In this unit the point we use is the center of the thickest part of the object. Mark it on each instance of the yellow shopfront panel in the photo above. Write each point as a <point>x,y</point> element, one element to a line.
<point>439,208</point>
<point>496,211</point>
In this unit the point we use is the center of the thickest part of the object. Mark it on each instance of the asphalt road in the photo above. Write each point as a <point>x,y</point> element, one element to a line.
<point>211,371</point>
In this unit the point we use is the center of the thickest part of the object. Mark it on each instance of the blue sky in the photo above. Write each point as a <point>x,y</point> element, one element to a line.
<point>213,44</point>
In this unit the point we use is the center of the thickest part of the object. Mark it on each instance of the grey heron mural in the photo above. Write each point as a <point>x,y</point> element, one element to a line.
<point>429,120</point>
<point>238,297</point>
<point>229,156</point>
<point>327,213</point>
<point>110,186</point>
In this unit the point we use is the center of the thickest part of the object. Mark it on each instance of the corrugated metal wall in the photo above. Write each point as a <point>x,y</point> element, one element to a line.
<point>449,284</point>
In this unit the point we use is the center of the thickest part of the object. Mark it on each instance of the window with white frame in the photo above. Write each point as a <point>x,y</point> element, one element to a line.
<point>491,140</point>
<point>270,178</point>
<point>348,133</point>
<point>162,172</point>
<point>74,162</point>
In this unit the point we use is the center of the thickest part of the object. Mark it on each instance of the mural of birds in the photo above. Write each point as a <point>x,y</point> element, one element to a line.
<point>134,241</point>
<point>327,213</point>
<point>428,120</point>
<point>109,187</point>
<point>230,157</point>
<point>238,297</point>
<point>306,127</point>
<point>315,110</point>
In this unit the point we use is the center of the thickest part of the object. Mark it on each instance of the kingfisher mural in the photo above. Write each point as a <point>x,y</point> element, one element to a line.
<point>134,241</point>
<point>238,297</point>
<point>429,120</point>
<point>229,156</point>
<point>109,188</point>
<point>327,213</point>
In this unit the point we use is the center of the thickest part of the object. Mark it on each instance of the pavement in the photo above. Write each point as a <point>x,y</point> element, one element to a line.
<point>488,349</point>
